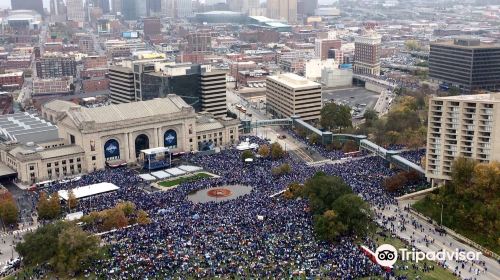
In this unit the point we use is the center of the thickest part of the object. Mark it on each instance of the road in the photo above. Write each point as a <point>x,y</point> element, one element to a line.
<point>420,235</point>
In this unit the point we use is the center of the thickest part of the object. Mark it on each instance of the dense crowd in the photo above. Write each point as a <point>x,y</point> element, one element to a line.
<point>208,240</point>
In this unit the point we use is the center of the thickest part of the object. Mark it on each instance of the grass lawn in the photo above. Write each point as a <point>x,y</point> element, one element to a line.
<point>175,182</point>
<point>438,273</point>
<point>433,210</point>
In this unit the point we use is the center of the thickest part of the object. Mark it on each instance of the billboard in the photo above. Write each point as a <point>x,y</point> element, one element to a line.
<point>130,34</point>
<point>170,139</point>
<point>111,150</point>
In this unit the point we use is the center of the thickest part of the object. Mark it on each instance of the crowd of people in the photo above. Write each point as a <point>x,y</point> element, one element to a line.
<point>221,239</point>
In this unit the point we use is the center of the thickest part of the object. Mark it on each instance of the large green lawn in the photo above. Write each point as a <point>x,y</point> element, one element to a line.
<point>438,273</point>
<point>175,182</point>
<point>433,210</point>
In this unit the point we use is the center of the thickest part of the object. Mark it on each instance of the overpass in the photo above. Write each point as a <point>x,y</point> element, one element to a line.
<point>374,80</point>
<point>327,137</point>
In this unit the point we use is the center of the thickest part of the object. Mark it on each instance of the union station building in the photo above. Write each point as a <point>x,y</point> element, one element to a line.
<point>89,139</point>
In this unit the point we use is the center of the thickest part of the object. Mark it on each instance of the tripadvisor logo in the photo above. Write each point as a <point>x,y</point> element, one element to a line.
<point>386,255</point>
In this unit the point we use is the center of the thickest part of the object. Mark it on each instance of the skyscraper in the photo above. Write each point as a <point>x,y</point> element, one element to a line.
<point>75,11</point>
<point>168,8</point>
<point>184,8</point>
<point>103,4</point>
<point>282,10</point>
<point>36,5</point>
<point>308,7</point>
<point>116,6</point>
<point>367,54</point>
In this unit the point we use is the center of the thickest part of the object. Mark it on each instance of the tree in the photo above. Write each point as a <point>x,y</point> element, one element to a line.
<point>354,213</point>
<point>54,206</point>
<point>412,45</point>
<point>370,116</point>
<point>264,151</point>
<point>8,210</point>
<point>127,207</point>
<point>350,146</point>
<point>276,151</point>
<point>462,172</point>
<point>246,154</point>
<point>75,248</point>
<point>143,217</point>
<point>113,218</point>
<point>294,190</point>
<point>328,226</point>
<point>334,116</point>
<point>395,183</point>
<point>323,190</point>
<point>40,246</point>
<point>281,170</point>
<point>314,139</point>
<point>72,201</point>
<point>43,207</point>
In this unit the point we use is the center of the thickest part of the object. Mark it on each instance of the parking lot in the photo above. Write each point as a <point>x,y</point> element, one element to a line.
<point>357,97</point>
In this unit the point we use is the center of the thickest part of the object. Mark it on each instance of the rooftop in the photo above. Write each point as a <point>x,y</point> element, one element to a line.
<point>293,80</point>
<point>25,128</point>
<point>495,97</point>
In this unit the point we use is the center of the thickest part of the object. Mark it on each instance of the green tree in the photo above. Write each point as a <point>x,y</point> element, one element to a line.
<point>54,206</point>
<point>246,154</point>
<point>323,190</point>
<point>75,248</point>
<point>8,210</point>
<point>276,151</point>
<point>328,226</point>
<point>281,170</point>
<point>370,116</point>
<point>354,213</point>
<point>314,139</point>
<point>334,116</point>
<point>127,207</point>
<point>40,246</point>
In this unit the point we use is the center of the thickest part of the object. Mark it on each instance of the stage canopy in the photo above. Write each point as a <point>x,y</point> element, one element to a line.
<point>155,151</point>
<point>89,190</point>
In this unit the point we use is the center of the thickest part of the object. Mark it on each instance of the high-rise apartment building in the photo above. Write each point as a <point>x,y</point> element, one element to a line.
<point>55,66</point>
<point>75,11</point>
<point>121,85</point>
<point>466,64</point>
<point>290,94</point>
<point>461,126</point>
<point>282,10</point>
<point>36,5</point>
<point>367,54</point>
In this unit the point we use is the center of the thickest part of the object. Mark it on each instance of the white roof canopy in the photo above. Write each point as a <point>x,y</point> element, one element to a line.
<point>155,151</point>
<point>89,190</point>
<point>175,171</point>
<point>190,168</point>
<point>147,177</point>
<point>161,174</point>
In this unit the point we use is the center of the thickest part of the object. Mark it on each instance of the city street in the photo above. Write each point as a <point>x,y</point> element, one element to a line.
<point>422,235</point>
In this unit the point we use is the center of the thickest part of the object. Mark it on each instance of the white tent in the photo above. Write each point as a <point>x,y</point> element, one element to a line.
<point>161,174</point>
<point>147,177</point>
<point>190,168</point>
<point>175,171</point>
<point>89,190</point>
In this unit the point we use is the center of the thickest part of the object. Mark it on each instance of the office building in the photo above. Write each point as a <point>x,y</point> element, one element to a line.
<point>152,26</point>
<point>308,7</point>
<point>121,85</point>
<point>103,4</point>
<point>285,10</point>
<point>52,86</point>
<point>35,5</point>
<point>55,66</point>
<point>75,11</point>
<point>367,54</point>
<point>466,64</point>
<point>323,48</point>
<point>168,8</point>
<point>461,126</point>
<point>289,94</point>
<point>116,6</point>
<point>199,42</point>
<point>57,11</point>
<point>213,92</point>
<point>184,8</point>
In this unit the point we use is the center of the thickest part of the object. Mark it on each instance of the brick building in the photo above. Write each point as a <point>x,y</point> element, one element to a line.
<point>95,62</point>
<point>13,80</point>
<point>93,85</point>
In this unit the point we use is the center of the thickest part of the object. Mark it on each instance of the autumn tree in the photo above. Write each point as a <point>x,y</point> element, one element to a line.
<point>281,170</point>
<point>75,248</point>
<point>8,210</point>
<point>143,217</point>
<point>277,151</point>
<point>114,218</point>
<point>264,151</point>
<point>72,201</point>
